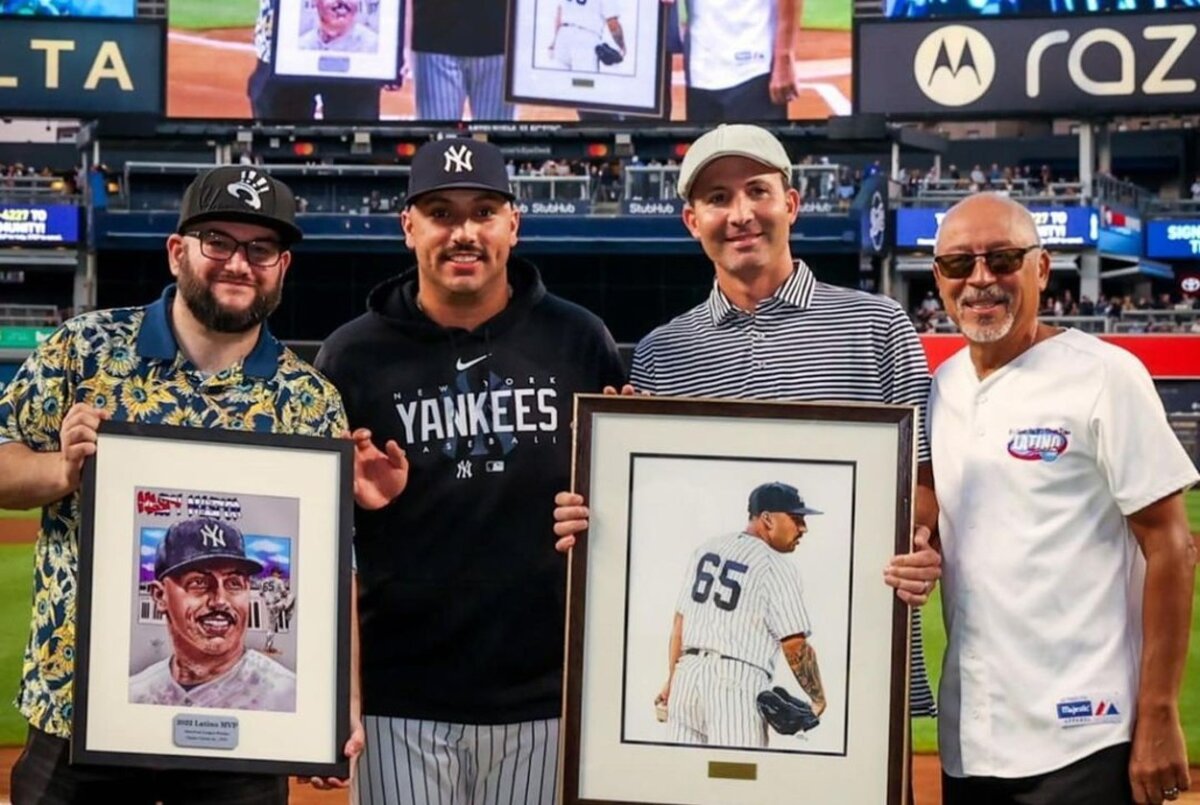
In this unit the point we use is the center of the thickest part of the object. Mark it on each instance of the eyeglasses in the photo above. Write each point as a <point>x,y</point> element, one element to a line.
<point>1000,262</point>
<point>216,245</point>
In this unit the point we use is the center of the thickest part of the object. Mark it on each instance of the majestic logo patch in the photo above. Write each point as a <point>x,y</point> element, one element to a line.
<point>1077,711</point>
<point>249,188</point>
<point>458,159</point>
<point>1038,444</point>
<point>954,65</point>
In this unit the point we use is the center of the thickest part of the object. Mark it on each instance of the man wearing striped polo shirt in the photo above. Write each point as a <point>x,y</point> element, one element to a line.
<point>770,331</point>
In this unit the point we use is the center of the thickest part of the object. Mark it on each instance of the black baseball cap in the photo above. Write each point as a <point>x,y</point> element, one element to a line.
<point>190,542</point>
<point>458,164</point>
<point>778,497</point>
<point>240,193</point>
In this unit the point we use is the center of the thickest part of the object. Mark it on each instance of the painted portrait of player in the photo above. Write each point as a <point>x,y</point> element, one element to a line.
<point>340,26</point>
<point>213,607</point>
<point>743,598</point>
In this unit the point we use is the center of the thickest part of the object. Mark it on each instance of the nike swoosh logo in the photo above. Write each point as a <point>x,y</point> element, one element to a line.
<point>462,367</point>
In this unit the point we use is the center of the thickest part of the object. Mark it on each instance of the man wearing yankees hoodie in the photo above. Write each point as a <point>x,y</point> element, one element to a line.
<point>471,366</point>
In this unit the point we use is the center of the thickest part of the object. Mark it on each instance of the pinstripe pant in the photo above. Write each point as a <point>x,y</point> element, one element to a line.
<point>416,762</point>
<point>445,82</point>
<point>713,701</point>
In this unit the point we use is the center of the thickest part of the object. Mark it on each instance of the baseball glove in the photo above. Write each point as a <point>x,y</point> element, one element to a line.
<point>786,714</point>
<point>607,54</point>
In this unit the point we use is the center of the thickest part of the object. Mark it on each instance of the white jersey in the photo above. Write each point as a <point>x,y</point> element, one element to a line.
<point>256,682</point>
<point>739,598</point>
<point>590,15</point>
<point>274,592</point>
<point>1037,467</point>
<point>729,41</point>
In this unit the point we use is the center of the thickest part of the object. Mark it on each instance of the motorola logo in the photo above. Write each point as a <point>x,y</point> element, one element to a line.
<point>954,65</point>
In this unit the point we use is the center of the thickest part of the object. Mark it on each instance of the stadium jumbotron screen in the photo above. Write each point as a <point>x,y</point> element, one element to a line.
<point>494,61</point>
<point>926,9</point>
<point>69,8</point>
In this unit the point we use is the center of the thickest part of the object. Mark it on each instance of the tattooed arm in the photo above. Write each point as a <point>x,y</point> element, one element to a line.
<point>803,661</point>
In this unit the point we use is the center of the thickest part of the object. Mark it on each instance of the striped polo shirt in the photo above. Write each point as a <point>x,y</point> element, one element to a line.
<point>808,342</point>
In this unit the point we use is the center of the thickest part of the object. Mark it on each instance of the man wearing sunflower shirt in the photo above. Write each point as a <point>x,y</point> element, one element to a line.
<point>201,356</point>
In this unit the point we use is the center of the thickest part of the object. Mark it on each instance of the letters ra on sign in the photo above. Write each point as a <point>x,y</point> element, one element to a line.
<point>1134,63</point>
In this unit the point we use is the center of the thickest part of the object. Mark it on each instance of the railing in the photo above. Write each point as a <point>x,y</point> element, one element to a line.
<point>35,189</point>
<point>1117,191</point>
<point>1185,320</point>
<point>813,182</point>
<point>945,192</point>
<point>1174,208</point>
<point>554,188</point>
<point>30,315</point>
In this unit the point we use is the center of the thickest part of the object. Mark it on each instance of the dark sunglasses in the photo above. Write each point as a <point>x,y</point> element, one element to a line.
<point>1000,262</point>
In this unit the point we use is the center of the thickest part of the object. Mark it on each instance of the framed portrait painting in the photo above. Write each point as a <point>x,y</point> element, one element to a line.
<point>214,601</point>
<point>730,581</point>
<point>602,55</point>
<point>324,39</point>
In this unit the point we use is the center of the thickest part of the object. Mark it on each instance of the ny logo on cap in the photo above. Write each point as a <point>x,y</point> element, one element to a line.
<point>212,536</point>
<point>458,159</point>
<point>248,188</point>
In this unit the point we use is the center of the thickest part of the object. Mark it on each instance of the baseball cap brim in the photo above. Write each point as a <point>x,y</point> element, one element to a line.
<point>486,188</point>
<point>803,510</point>
<point>252,567</point>
<point>289,233</point>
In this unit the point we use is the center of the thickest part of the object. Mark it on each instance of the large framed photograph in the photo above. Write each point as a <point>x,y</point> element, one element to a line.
<point>733,567</point>
<point>603,55</point>
<point>337,39</point>
<point>214,601</point>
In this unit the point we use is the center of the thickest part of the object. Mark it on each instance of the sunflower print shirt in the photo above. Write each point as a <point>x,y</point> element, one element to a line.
<point>126,362</point>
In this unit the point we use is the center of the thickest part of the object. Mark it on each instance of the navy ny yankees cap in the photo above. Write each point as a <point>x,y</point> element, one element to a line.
<point>778,497</point>
<point>191,542</point>
<point>458,164</point>
<point>240,193</point>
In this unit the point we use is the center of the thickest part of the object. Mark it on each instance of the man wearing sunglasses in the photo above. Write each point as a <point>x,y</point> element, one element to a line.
<point>1068,563</point>
<point>201,356</point>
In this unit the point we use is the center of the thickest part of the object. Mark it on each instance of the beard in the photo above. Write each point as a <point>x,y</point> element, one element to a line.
<point>993,331</point>
<point>199,298</point>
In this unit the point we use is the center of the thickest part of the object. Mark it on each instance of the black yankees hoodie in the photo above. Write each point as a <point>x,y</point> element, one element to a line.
<point>461,594</point>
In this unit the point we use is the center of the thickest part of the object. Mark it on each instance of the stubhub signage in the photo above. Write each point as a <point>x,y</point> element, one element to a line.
<point>1176,237</point>
<point>1062,227</point>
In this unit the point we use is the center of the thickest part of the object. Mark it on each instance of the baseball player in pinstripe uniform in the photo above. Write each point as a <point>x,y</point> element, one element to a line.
<point>579,26</point>
<point>741,602</point>
<point>458,58</point>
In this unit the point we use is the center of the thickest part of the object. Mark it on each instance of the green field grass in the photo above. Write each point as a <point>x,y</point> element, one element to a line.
<point>16,579</point>
<point>201,14</point>
<point>829,15</point>
<point>31,514</point>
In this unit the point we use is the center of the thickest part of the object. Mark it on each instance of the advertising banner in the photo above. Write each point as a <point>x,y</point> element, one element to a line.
<point>1111,64</point>
<point>81,67</point>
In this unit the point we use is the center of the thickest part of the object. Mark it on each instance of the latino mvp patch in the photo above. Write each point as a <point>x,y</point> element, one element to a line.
<point>1080,711</point>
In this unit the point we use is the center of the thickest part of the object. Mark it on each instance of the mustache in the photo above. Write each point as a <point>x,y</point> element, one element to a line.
<point>988,295</point>
<point>343,7</point>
